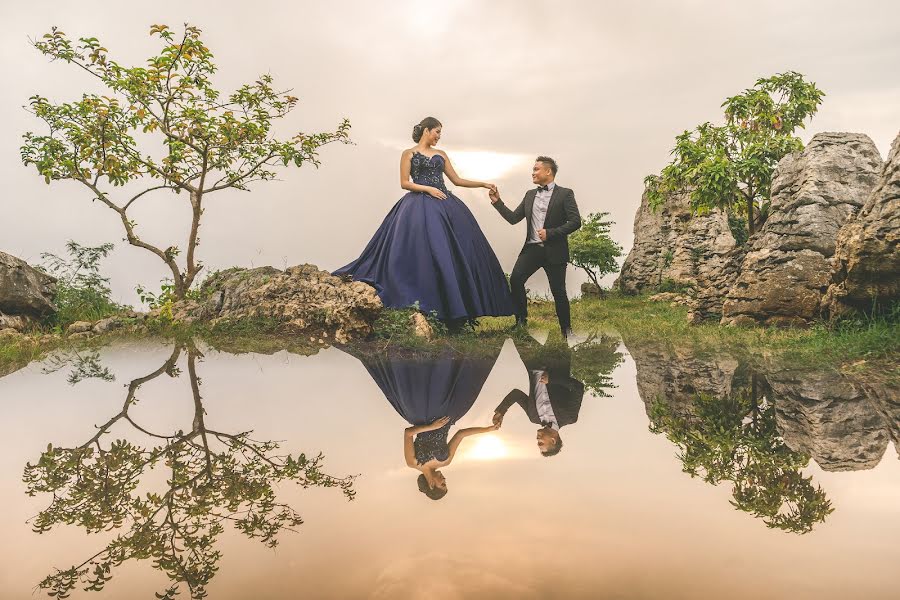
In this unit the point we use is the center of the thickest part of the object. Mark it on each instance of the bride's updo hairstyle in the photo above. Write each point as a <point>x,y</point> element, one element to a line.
<point>426,123</point>
<point>433,493</point>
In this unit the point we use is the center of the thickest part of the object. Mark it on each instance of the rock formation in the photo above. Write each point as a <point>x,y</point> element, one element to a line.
<point>829,417</point>
<point>867,258</point>
<point>788,263</point>
<point>23,289</point>
<point>843,422</point>
<point>677,375</point>
<point>672,247</point>
<point>301,299</point>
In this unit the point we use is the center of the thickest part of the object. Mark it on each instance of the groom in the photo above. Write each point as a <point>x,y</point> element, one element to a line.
<point>551,214</point>
<point>554,395</point>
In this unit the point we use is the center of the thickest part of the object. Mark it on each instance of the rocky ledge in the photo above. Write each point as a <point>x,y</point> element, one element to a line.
<point>301,299</point>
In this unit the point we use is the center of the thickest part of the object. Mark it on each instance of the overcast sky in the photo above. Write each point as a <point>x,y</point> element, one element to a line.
<point>602,87</point>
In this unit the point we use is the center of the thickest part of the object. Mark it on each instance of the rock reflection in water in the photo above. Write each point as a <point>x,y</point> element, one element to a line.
<point>211,478</point>
<point>758,426</point>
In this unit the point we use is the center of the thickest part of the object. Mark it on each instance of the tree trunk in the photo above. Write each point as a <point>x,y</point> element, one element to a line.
<point>750,223</point>
<point>192,267</point>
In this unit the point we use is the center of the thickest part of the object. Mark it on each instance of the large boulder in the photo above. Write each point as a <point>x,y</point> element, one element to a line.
<point>677,375</point>
<point>867,257</point>
<point>23,289</point>
<point>830,417</point>
<point>788,265</point>
<point>675,248</point>
<point>302,298</point>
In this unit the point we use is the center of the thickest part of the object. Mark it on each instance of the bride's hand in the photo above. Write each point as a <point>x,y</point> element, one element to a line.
<point>490,186</point>
<point>437,424</point>
<point>436,193</point>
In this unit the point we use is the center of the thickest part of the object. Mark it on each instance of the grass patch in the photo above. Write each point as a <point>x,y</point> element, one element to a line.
<point>869,346</point>
<point>636,319</point>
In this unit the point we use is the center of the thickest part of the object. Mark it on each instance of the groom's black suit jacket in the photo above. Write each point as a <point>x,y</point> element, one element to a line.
<point>565,391</point>
<point>562,219</point>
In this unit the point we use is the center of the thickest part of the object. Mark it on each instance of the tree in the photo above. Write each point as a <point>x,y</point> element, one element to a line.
<point>730,167</point>
<point>592,250</point>
<point>736,439</point>
<point>209,143</point>
<point>594,361</point>
<point>211,478</point>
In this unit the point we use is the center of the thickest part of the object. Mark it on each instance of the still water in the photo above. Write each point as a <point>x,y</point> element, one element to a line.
<point>166,469</point>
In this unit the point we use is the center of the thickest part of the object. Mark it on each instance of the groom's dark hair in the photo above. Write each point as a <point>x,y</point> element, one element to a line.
<point>549,162</point>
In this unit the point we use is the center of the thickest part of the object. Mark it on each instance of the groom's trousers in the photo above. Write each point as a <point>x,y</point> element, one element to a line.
<point>532,258</point>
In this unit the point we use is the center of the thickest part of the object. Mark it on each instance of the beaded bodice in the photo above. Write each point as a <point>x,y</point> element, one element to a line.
<point>432,445</point>
<point>426,170</point>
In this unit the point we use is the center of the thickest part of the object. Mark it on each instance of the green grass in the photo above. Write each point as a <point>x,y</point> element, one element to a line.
<point>17,354</point>
<point>870,346</point>
<point>874,340</point>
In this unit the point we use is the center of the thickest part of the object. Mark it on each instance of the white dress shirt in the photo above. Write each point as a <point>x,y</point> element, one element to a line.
<point>539,213</point>
<point>542,401</point>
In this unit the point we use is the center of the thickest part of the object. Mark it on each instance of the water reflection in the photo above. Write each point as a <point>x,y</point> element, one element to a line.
<point>554,397</point>
<point>167,493</point>
<point>757,426</point>
<point>206,479</point>
<point>431,391</point>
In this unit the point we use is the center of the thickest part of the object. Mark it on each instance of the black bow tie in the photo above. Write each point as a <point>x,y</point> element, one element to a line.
<point>543,188</point>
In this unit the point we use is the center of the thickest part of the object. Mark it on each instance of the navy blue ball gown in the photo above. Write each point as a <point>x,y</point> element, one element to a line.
<point>433,252</point>
<point>422,390</point>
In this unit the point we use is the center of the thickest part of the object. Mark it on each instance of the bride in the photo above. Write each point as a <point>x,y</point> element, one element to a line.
<point>430,250</point>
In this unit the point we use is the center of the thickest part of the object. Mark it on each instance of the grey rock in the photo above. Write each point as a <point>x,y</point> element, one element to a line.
<point>300,298</point>
<point>589,290</point>
<point>674,247</point>
<point>788,263</point>
<point>25,290</point>
<point>107,325</point>
<point>79,327</point>
<point>867,255</point>
<point>18,322</point>
<point>676,375</point>
<point>830,417</point>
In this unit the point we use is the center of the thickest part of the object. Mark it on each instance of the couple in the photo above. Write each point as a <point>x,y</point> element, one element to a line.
<point>434,393</point>
<point>430,250</point>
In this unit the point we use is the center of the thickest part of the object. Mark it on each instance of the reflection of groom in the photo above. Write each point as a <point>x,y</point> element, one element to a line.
<point>551,214</point>
<point>554,398</point>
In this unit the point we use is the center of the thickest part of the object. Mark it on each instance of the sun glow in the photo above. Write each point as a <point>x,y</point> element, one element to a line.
<point>483,165</point>
<point>488,447</point>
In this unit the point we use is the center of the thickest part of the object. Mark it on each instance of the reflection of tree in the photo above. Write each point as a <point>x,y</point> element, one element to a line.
<point>85,365</point>
<point>593,362</point>
<point>212,477</point>
<point>735,439</point>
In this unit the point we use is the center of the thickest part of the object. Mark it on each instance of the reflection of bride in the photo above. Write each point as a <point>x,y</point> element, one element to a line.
<point>431,393</point>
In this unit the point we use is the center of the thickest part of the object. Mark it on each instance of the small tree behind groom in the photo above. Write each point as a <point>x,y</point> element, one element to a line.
<point>551,215</point>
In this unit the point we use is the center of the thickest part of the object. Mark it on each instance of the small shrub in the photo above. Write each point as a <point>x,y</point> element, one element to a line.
<point>82,294</point>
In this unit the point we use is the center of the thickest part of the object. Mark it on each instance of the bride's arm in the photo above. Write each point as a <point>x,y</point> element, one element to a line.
<point>456,180</point>
<point>462,434</point>
<point>409,452</point>
<point>405,182</point>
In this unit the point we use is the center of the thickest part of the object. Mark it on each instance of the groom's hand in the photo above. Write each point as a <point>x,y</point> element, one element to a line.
<point>542,233</point>
<point>494,195</point>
